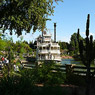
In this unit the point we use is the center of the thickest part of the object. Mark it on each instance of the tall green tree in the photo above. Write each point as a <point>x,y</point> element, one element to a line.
<point>74,43</point>
<point>63,45</point>
<point>19,15</point>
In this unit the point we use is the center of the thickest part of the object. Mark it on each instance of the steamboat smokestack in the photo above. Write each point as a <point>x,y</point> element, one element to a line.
<point>55,32</point>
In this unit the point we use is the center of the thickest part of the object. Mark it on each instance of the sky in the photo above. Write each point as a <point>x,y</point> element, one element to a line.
<point>69,16</point>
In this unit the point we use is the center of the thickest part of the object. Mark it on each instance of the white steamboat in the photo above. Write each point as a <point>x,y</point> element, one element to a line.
<point>46,48</point>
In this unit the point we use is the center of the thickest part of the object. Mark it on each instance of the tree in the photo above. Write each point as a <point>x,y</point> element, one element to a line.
<point>87,53</point>
<point>2,44</point>
<point>63,45</point>
<point>31,45</point>
<point>19,15</point>
<point>22,47</point>
<point>74,43</point>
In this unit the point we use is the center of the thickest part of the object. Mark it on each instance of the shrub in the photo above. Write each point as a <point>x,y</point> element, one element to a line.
<point>48,74</point>
<point>75,79</point>
<point>25,83</point>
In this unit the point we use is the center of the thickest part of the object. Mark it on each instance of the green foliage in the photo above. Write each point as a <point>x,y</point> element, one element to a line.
<point>75,79</point>
<point>2,45</point>
<point>21,48</point>
<point>15,86</point>
<point>33,45</point>
<point>63,45</point>
<point>47,74</point>
<point>25,83</point>
<point>9,50</point>
<point>7,70</point>
<point>19,86</point>
<point>74,48</point>
<point>10,84</point>
<point>22,15</point>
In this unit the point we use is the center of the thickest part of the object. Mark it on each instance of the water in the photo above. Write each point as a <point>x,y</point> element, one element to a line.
<point>69,61</point>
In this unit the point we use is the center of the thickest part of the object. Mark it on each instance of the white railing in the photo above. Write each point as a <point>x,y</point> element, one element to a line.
<point>46,44</point>
<point>43,51</point>
<point>47,35</point>
<point>54,43</point>
<point>50,51</point>
<point>47,39</point>
<point>55,51</point>
<point>57,58</point>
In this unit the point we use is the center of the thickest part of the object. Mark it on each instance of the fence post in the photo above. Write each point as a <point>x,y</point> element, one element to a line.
<point>69,70</point>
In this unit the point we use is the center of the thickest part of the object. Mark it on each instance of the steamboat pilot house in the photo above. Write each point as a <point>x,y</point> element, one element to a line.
<point>47,49</point>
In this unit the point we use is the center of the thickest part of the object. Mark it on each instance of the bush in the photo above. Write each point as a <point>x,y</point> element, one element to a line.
<point>17,85</point>
<point>25,83</point>
<point>48,75</point>
<point>75,79</point>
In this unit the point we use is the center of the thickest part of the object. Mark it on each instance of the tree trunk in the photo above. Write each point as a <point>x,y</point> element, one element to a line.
<point>88,80</point>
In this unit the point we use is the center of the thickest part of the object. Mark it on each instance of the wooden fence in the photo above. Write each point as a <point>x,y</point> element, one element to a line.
<point>68,68</point>
<point>80,70</point>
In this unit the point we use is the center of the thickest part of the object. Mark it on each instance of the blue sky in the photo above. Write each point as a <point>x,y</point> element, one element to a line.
<point>69,16</point>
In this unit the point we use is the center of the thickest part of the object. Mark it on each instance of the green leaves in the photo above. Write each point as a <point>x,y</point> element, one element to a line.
<point>25,14</point>
<point>47,74</point>
<point>74,42</point>
<point>2,45</point>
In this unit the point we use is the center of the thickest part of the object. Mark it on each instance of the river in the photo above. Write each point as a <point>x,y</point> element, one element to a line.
<point>69,61</point>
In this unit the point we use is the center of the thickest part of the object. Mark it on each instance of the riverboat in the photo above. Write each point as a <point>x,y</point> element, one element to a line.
<point>47,49</point>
